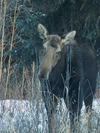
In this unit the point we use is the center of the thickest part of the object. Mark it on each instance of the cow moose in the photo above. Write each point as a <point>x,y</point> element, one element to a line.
<point>67,70</point>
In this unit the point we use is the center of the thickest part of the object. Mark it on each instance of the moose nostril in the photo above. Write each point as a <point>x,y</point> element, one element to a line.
<point>41,75</point>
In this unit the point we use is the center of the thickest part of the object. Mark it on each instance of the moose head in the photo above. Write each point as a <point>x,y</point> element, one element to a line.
<point>53,45</point>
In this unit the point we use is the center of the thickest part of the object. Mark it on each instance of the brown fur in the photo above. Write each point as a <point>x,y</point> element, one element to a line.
<point>73,67</point>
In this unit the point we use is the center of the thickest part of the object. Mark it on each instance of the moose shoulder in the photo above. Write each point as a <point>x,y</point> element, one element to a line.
<point>69,70</point>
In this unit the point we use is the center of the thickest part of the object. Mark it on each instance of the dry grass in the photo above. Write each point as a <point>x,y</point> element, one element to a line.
<point>30,117</point>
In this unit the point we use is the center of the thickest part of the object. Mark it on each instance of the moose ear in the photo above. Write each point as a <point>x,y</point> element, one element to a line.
<point>69,37</point>
<point>42,31</point>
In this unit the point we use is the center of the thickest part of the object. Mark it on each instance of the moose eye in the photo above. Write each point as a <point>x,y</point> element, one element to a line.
<point>43,51</point>
<point>53,45</point>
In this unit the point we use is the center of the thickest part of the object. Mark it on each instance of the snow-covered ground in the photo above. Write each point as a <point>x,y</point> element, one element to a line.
<point>25,117</point>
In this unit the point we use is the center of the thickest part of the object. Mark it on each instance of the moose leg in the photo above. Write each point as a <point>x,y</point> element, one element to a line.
<point>74,104</point>
<point>74,115</point>
<point>88,100</point>
<point>50,104</point>
<point>51,121</point>
<point>89,91</point>
<point>88,104</point>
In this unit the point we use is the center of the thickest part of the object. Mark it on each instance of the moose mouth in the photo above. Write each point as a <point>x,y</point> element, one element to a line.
<point>43,76</point>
